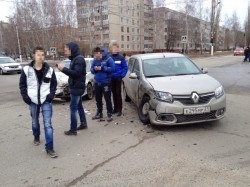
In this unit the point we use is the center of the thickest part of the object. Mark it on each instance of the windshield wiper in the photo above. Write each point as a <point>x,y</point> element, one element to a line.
<point>152,76</point>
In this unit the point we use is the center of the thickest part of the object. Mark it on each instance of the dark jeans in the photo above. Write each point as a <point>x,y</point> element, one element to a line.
<point>117,95</point>
<point>76,105</point>
<point>246,57</point>
<point>47,115</point>
<point>103,90</point>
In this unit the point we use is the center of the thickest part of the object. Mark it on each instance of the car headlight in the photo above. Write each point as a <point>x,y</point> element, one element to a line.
<point>164,96</point>
<point>219,92</point>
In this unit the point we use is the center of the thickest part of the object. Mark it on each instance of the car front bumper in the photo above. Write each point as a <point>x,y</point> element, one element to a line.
<point>62,92</point>
<point>173,113</point>
<point>11,70</point>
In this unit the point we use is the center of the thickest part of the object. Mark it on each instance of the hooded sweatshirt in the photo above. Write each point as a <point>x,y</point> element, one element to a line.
<point>76,71</point>
<point>108,67</point>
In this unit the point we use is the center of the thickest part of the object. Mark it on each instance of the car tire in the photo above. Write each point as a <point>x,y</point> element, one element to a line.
<point>1,71</point>
<point>127,98</point>
<point>143,110</point>
<point>90,91</point>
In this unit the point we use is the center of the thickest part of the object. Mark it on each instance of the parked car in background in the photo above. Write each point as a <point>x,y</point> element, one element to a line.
<point>169,89</point>
<point>8,65</point>
<point>239,51</point>
<point>62,90</point>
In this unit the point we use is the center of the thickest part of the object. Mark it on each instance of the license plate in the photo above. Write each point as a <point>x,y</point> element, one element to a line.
<point>196,110</point>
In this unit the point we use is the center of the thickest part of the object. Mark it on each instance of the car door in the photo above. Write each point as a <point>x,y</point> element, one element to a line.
<point>135,82</point>
<point>126,80</point>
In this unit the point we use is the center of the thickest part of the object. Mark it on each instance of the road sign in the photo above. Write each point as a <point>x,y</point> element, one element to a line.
<point>184,39</point>
<point>53,50</point>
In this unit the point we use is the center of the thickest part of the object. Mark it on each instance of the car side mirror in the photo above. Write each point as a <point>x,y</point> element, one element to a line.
<point>133,76</point>
<point>204,70</point>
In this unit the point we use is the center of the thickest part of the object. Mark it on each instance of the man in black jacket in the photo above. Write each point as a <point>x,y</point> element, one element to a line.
<point>38,86</point>
<point>77,76</point>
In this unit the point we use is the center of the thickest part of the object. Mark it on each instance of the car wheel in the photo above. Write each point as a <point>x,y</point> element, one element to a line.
<point>144,110</point>
<point>1,72</point>
<point>127,98</point>
<point>90,91</point>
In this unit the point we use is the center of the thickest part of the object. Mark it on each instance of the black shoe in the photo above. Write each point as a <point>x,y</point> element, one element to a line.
<point>109,118</point>
<point>119,114</point>
<point>69,133</point>
<point>98,116</point>
<point>114,111</point>
<point>36,140</point>
<point>81,127</point>
<point>51,153</point>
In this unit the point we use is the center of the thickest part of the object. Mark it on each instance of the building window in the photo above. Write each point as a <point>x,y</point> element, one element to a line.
<point>122,29</point>
<point>128,29</point>
<point>128,46</point>
<point>127,38</point>
<point>133,30</point>
<point>122,46</point>
<point>122,38</point>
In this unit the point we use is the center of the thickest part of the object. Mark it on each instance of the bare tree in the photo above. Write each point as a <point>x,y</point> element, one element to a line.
<point>48,23</point>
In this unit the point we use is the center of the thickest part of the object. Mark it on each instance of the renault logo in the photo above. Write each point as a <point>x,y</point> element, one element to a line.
<point>195,97</point>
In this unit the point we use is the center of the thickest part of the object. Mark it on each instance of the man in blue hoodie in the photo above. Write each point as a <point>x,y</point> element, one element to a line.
<point>77,77</point>
<point>102,67</point>
<point>120,72</point>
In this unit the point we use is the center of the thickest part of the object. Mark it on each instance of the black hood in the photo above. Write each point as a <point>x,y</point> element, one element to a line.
<point>74,50</point>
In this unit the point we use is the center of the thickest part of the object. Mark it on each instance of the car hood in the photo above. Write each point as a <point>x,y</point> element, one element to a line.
<point>61,78</point>
<point>185,84</point>
<point>10,64</point>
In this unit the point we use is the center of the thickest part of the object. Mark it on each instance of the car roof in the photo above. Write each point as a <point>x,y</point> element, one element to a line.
<point>5,57</point>
<point>157,55</point>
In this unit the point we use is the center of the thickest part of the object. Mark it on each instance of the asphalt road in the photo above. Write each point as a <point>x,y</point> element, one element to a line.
<point>127,153</point>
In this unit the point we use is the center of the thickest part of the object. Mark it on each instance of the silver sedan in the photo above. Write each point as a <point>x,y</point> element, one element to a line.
<point>169,89</point>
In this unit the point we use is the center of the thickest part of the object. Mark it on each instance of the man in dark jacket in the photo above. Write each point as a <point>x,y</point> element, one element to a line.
<point>38,86</point>
<point>102,67</point>
<point>77,76</point>
<point>120,72</point>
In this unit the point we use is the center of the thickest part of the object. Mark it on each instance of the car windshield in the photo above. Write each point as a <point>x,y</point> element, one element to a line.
<point>65,63</point>
<point>173,66</point>
<point>6,60</point>
<point>239,49</point>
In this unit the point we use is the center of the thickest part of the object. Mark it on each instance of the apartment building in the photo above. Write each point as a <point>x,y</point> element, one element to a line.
<point>127,21</point>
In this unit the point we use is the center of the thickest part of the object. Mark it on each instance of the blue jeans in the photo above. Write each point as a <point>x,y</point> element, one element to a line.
<point>47,115</point>
<point>76,105</point>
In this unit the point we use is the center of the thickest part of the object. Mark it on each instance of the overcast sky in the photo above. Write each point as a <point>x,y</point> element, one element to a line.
<point>229,6</point>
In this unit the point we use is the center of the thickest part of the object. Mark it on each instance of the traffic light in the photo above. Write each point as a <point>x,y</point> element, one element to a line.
<point>212,39</point>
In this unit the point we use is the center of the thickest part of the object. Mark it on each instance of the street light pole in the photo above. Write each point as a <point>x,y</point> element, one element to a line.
<point>18,41</point>
<point>19,47</point>
<point>101,24</point>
